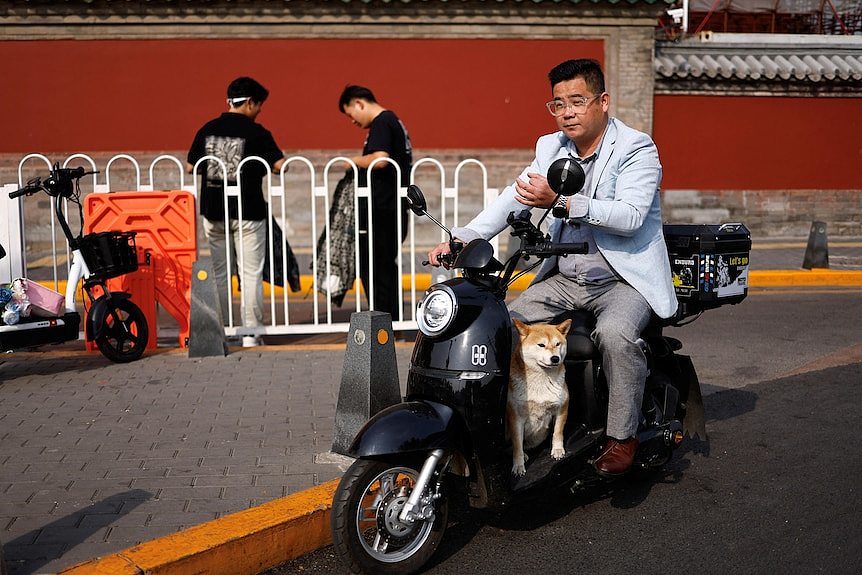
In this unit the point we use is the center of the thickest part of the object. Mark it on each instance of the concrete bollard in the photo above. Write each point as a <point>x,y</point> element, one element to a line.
<point>369,379</point>
<point>817,251</point>
<point>206,328</point>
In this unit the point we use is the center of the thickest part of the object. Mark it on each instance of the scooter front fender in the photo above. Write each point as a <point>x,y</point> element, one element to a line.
<point>413,426</point>
<point>97,312</point>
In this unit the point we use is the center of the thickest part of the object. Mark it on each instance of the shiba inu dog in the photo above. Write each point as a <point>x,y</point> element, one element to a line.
<point>537,390</point>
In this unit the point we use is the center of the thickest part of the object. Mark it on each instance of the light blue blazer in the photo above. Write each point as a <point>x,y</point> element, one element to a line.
<point>624,211</point>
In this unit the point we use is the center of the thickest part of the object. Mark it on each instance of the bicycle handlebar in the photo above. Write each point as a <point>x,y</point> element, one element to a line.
<point>26,190</point>
<point>54,182</point>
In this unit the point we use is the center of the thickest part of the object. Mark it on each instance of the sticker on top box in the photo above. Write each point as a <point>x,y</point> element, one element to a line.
<point>724,275</point>
<point>685,273</point>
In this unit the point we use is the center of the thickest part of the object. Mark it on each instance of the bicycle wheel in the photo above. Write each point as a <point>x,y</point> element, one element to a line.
<point>124,333</point>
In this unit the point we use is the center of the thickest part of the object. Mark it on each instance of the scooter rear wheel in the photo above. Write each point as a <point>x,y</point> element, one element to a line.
<point>124,340</point>
<point>366,531</point>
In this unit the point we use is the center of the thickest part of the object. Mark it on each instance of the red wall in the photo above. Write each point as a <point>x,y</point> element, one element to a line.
<point>151,95</point>
<point>115,95</point>
<point>751,143</point>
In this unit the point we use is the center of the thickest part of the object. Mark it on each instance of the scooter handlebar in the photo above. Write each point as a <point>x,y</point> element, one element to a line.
<point>547,249</point>
<point>446,259</point>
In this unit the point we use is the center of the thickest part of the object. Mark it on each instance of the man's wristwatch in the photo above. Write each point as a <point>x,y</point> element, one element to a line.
<point>561,209</point>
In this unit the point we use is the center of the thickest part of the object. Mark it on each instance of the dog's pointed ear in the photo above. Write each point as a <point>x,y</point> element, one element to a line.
<point>564,327</point>
<point>520,326</point>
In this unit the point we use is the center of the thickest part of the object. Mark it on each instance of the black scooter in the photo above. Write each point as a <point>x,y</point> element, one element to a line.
<point>390,510</point>
<point>114,322</point>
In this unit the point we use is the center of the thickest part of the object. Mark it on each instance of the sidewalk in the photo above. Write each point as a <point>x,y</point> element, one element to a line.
<point>97,457</point>
<point>195,459</point>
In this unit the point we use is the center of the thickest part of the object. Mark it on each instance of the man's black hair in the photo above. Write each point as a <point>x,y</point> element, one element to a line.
<point>351,93</point>
<point>589,70</point>
<point>246,87</point>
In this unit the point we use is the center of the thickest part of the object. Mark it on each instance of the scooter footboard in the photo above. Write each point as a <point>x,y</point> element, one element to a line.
<point>413,426</point>
<point>39,331</point>
<point>588,402</point>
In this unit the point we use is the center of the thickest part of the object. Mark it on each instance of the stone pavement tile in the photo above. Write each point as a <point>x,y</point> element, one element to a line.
<point>219,507</point>
<point>24,509</point>
<point>31,558</point>
<point>291,483</point>
<point>154,483</point>
<point>174,520</point>
<point>243,480</point>
<point>22,490</point>
<point>131,536</point>
<point>274,469</point>
<point>32,523</point>
<point>255,492</point>
<point>85,457</point>
<point>186,493</point>
<point>134,518</point>
<point>126,473</point>
<point>217,461</point>
<point>193,471</point>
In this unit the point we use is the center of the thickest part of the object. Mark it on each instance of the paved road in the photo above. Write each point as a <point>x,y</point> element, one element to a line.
<point>775,490</point>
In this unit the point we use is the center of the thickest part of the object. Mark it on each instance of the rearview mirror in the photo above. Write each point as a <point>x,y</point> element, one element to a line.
<point>566,177</point>
<point>416,200</point>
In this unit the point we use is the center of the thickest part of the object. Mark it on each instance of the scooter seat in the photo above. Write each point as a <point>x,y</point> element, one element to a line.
<point>580,345</point>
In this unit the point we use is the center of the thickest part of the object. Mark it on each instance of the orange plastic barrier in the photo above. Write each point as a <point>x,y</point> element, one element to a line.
<point>166,240</point>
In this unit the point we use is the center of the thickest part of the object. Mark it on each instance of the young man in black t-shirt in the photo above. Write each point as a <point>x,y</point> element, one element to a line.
<point>232,137</point>
<point>387,138</point>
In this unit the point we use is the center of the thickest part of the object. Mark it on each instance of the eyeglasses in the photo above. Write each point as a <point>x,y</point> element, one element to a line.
<point>578,105</point>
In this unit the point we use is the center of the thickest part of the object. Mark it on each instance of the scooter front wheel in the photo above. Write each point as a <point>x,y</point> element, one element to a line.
<point>124,333</point>
<point>366,529</point>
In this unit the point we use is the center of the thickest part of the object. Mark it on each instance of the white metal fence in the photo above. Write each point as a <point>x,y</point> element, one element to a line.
<point>299,200</point>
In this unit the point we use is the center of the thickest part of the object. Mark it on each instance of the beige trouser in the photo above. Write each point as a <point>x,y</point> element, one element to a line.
<point>249,241</point>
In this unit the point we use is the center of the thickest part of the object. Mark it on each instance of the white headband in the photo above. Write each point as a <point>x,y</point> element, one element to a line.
<point>239,100</point>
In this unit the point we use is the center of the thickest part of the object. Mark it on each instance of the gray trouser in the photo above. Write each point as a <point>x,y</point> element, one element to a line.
<point>621,314</point>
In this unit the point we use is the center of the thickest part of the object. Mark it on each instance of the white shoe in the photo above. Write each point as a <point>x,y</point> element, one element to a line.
<point>250,341</point>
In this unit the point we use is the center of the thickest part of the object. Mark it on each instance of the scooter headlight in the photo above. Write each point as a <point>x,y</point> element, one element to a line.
<point>436,311</point>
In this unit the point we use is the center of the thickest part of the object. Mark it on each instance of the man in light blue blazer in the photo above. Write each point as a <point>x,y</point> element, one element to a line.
<point>625,277</point>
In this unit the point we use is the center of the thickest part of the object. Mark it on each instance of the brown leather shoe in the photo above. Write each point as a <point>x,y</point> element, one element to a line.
<point>616,457</point>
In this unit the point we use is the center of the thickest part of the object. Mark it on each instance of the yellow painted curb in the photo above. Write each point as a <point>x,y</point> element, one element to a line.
<point>815,277</point>
<point>757,278</point>
<point>249,541</point>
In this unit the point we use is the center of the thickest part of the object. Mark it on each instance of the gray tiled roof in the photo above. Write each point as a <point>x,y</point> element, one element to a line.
<point>761,58</point>
<point>631,2</point>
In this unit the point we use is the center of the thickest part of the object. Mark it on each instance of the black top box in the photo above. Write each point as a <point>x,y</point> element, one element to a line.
<point>709,264</point>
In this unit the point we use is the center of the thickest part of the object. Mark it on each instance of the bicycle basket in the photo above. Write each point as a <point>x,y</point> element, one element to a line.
<point>109,254</point>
